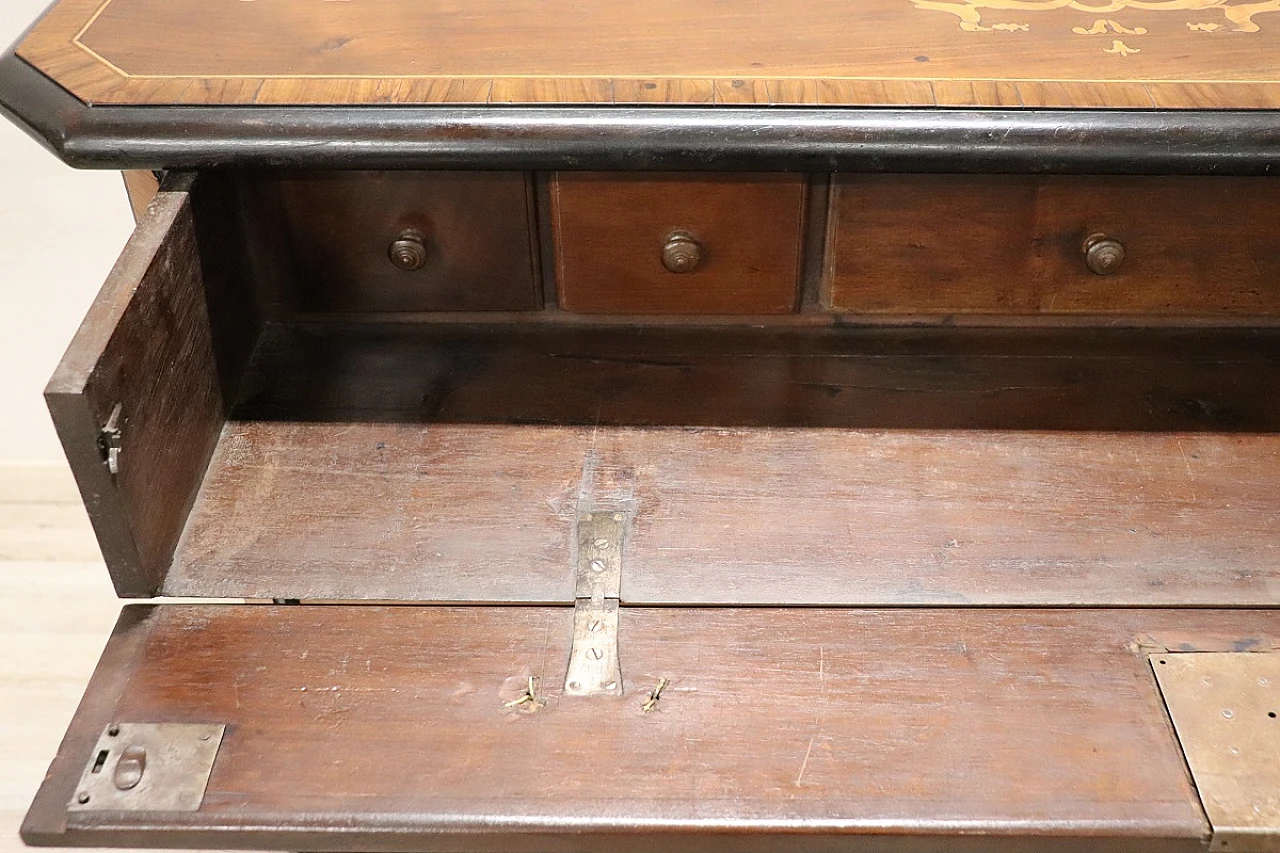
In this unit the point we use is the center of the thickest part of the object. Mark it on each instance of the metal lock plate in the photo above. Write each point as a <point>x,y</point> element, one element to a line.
<point>149,767</point>
<point>1225,708</point>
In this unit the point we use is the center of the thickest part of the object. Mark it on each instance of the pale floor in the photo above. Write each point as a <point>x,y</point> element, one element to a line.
<point>57,609</point>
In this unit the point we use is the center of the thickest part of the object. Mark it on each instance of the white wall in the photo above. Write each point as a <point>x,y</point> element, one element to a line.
<point>60,232</point>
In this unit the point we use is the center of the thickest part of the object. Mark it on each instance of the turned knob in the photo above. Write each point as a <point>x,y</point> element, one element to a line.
<point>681,253</point>
<point>1103,255</point>
<point>409,251</point>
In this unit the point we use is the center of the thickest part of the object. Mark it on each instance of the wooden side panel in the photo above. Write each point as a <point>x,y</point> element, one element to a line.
<point>147,347</point>
<point>372,728</point>
<point>924,244</point>
<point>610,230</point>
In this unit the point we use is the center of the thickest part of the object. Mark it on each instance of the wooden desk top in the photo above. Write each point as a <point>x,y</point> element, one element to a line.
<point>1163,54</point>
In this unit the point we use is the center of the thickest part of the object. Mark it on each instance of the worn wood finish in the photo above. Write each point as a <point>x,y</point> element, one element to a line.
<point>370,728</point>
<point>610,230</point>
<point>1184,54</point>
<point>477,227</point>
<point>474,448</point>
<point>1155,380</point>
<point>911,244</point>
<point>147,346</point>
<point>737,516</point>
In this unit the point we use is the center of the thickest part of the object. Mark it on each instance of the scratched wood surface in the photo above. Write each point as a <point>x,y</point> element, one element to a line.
<point>385,728</point>
<point>146,347</point>
<point>996,53</point>
<point>807,467</point>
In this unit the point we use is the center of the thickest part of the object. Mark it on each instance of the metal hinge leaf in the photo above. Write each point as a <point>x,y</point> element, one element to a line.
<point>109,440</point>
<point>594,668</point>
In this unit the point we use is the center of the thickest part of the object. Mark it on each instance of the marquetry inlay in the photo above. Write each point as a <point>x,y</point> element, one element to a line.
<point>999,53</point>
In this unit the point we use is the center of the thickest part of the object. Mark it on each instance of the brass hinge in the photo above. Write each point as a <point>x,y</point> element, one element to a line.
<point>109,440</point>
<point>593,659</point>
<point>1225,708</point>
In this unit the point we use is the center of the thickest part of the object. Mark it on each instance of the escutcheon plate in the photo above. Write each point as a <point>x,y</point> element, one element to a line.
<point>1226,710</point>
<point>166,768</point>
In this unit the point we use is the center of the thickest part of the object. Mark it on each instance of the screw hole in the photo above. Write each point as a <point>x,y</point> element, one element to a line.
<point>113,731</point>
<point>1271,714</point>
<point>1163,662</point>
<point>82,797</point>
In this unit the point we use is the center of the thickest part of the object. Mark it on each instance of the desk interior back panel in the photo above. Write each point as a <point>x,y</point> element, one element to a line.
<point>386,728</point>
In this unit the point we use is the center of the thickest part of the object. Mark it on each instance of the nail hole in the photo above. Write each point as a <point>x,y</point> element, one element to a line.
<point>575,685</point>
<point>100,760</point>
<point>1163,662</point>
<point>1271,714</point>
<point>82,797</point>
<point>113,731</point>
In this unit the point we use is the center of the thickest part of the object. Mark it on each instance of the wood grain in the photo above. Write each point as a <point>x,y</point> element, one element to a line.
<point>811,467</point>
<point>146,345</point>
<point>819,377</point>
<point>886,52</point>
<point>609,230</point>
<point>921,244</point>
<point>737,516</point>
<point>478,228</point>
<point>385,729</point>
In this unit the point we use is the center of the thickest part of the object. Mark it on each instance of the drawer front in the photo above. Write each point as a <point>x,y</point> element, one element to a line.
<point>906,244</point>
<point>678,244</point>
<point>404,241</point>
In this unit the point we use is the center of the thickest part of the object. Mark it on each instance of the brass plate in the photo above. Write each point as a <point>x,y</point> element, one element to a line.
<point>1226,710</point>
<point>176,760</point>
<point>593,660</point>
<point>599,566</point>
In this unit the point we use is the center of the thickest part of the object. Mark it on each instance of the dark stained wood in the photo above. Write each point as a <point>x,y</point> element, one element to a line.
<point>609,232</point>
<point>642,137</point>
<point>370,728</point>
<point>1184,54</point>
<point>147,346</point>
<point>478,229</point>
<point>919,244</point>
<point>1183,380</point>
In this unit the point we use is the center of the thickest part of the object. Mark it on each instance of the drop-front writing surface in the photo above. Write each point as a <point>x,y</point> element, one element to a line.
<point>1180,54</point>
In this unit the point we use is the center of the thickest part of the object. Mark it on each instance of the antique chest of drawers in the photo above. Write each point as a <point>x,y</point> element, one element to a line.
<point>717,425</point>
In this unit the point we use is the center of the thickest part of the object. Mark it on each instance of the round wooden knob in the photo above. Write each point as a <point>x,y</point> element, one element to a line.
<point>681,253</point>
<point>1103,255</point>
<point>409,251</point>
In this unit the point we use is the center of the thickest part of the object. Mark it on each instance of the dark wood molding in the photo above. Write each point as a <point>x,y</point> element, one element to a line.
<point>637,138</point>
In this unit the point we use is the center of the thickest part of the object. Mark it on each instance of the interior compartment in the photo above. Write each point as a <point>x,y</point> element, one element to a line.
<point>442,458</point>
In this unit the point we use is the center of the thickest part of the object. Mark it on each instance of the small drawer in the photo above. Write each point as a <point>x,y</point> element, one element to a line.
<point>678,244</point>
<point>921,244</point>
<point>412,241</point>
